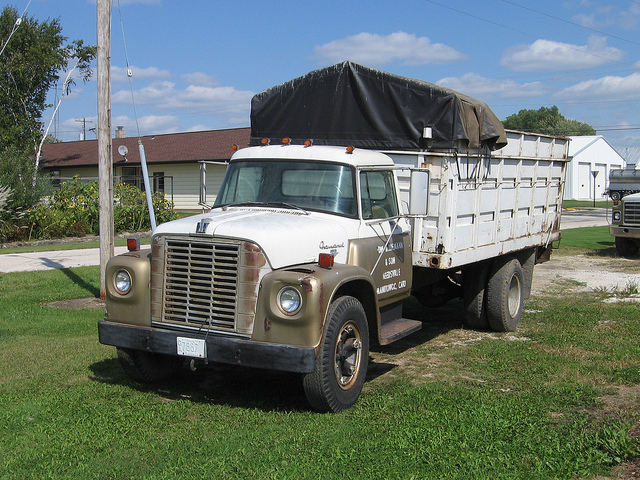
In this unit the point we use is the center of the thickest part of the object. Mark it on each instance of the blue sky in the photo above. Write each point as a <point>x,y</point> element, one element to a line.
<point>196,64</point>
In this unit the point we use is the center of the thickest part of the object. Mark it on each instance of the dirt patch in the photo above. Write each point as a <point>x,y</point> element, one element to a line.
<point>79,303</point>
<point>563,274</point>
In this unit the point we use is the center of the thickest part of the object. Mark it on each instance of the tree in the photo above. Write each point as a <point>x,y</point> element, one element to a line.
<point>548,121</point>
<point>33,54</point>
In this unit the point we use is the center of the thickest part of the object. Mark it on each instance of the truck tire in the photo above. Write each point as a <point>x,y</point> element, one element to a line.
<point>626,247</point>
<point>475,281</point>
<point>146,367</point>
<point>341,364</point>
<point>505,295</point>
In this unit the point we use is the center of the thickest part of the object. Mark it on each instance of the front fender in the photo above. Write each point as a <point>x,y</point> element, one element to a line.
<point>133,307</point>
<point>317,287</point>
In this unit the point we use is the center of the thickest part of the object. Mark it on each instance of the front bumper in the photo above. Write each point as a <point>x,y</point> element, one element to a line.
<point>219,348</point>
<point>621,231</point>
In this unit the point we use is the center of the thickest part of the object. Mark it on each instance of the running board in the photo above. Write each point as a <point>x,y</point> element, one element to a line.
<point>397,329</point>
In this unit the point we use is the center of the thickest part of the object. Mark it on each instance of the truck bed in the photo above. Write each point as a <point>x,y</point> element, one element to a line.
<point>483,204</point>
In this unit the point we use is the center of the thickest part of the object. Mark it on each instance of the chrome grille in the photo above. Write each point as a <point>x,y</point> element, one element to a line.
<point>632,213</point>
<point>200,283</point>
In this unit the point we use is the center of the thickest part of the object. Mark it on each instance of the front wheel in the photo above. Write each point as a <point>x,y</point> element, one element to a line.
<point>146,367</point>
<point>341,364</point>
<point>505,295</point>
<point>626,247</point>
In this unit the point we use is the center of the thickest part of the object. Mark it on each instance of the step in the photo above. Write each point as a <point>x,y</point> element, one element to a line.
<point>396,329</point>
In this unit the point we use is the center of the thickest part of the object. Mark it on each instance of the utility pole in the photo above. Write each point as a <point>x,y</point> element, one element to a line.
<point>84,122</point>
<point>105,158</point>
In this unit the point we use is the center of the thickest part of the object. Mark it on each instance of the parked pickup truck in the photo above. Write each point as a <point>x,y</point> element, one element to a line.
<point>361,189</point>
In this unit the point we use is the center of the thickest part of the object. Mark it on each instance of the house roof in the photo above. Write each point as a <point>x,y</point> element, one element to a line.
<point>581,143</point>
<point>159,149</point>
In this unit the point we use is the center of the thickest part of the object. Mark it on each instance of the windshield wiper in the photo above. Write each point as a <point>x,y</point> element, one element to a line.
<point>262,204</point>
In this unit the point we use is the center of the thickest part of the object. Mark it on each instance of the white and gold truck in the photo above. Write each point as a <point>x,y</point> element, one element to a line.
<point>361,188</point>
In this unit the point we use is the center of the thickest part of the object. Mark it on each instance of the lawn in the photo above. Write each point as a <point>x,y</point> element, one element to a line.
<point>557,399</point>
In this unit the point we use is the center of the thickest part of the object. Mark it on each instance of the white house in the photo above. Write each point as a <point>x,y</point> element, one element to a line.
<point>173,162</point>
<point>592,158</point>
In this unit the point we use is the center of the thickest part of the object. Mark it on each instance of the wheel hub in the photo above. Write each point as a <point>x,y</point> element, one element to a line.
<point>348,356</point>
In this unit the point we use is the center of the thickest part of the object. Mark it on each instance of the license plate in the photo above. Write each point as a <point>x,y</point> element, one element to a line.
<point>191,347</point>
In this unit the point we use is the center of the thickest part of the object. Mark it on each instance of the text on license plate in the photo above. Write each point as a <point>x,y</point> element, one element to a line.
<point>191,347</point>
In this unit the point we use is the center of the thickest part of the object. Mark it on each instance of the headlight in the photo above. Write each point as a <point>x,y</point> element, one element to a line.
<point>617,216</point>
<point>289,300</point>
<point>122,281</point>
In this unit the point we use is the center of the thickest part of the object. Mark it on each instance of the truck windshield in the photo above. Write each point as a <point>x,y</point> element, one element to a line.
<point>309,185</point>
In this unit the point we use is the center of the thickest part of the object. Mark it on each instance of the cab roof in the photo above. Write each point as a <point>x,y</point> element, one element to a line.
<point>358,157</point>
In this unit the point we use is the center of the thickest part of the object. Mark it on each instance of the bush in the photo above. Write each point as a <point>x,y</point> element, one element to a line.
<point>20,190</point>
<point>72,211</point>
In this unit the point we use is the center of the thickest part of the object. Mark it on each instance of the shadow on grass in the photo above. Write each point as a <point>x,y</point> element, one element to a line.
<point>73,276</point>
<point>220,384</point>
<point>269,390</point>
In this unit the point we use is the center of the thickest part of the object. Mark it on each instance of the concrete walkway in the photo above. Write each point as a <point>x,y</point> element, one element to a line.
<point>29,262</point>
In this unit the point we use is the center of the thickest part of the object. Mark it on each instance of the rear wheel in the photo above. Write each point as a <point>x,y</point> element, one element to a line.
<point>505,295</point>
<point>475,281</point>
<point>626,247</point>
<point>146,367</point>
<point>341,364</point>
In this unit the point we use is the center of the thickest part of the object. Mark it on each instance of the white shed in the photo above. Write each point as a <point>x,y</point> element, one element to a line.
<point>588,172</point>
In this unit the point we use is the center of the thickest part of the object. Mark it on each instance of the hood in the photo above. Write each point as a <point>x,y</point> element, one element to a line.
<point>286,237</point>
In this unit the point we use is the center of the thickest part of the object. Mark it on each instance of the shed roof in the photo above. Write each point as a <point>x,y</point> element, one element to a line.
<point>159,149</point>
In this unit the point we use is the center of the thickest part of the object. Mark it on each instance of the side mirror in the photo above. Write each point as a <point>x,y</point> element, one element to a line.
<point>419,192</point>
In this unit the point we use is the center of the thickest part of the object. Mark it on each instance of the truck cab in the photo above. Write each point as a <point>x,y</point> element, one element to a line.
<point>297,234</point>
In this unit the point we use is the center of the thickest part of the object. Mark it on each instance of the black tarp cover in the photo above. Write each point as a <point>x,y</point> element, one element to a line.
<point>350,104</point>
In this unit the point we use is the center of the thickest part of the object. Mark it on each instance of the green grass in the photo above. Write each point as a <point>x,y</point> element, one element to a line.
<point>586,204</point>
<point>587,240</point>
<point>446,402</point>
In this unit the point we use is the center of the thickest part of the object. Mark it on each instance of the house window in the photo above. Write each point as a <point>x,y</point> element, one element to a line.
<point>158,182</point>
<point>131,176</point>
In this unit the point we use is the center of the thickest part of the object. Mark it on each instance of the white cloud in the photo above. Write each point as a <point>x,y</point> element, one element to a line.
<point>200,79</point>
<point>377,50</point>
<point>157,124</point>
<point>609,88</point>
<point>119,74</point>
<point>546,55</point>
<point>485,88</point>
<point>164,95</point>
<point>607,16</point>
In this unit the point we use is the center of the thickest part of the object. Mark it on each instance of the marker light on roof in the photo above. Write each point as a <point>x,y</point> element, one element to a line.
<point>308,142</point>
<point>286,141</point>
<point>133,244</point>
<point>235,147</point>
<point>265,141</point>
<point>325,260</point>
<point>350,149</point>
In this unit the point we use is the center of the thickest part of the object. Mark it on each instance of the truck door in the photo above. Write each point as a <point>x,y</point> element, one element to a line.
<point>384,244</point>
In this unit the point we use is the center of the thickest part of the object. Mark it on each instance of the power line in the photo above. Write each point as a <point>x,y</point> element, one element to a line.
<point>564,45</point>
<point>15,27</point>
<point>569,22</point>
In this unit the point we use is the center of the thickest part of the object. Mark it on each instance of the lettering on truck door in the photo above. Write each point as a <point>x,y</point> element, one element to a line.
<point>384,244</point>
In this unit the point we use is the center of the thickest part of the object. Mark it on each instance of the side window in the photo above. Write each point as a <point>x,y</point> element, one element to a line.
<point>378,194</point>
